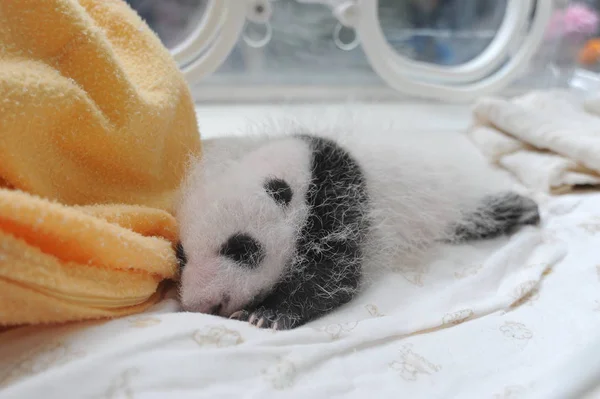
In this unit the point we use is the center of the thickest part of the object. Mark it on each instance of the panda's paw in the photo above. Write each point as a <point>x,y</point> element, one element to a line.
<point>264,318</point>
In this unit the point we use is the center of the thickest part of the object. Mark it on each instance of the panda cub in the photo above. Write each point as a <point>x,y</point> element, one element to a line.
<point>279,231</point>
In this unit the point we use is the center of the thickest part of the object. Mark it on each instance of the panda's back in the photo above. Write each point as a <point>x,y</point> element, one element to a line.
<point>415,186</point>
<point>418,186</point>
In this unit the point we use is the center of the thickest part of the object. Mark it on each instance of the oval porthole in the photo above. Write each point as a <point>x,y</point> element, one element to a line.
<point>495,68</point>
<point>477,48</point>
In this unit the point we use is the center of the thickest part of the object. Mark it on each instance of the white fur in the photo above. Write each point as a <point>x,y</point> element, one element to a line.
<point>218,203</point>
<point>418,184</point>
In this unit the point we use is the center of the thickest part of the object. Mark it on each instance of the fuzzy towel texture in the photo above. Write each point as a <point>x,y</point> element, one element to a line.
<point>550,140</point>
<point>93,110</point>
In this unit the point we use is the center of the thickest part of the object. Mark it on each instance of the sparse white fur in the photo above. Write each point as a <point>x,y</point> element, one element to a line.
<point>419,183</point>
<point>219,202</point>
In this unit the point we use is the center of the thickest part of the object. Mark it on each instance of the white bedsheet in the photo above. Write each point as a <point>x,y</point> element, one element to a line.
<point>470,342</point>
<point>490,320</point>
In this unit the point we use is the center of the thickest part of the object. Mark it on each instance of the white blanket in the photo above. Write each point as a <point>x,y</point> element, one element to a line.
<point>479,321</point>
<point>550,140</point>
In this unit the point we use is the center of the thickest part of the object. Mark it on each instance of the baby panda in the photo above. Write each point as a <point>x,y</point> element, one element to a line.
<point>281,230</point>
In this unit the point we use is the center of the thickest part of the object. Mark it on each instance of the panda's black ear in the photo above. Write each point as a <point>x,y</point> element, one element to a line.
<point>279,190</point>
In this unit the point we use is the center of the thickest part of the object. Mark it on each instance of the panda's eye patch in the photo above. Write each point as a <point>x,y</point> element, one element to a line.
<point>244,250</point>
<point>279,190</point>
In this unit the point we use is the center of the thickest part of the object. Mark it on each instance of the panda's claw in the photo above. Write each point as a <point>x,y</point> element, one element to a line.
<point>265,318</point>
<point>241,315</point>
<point>262,318</point>
<point>253,318</point>
<point>283,322</point>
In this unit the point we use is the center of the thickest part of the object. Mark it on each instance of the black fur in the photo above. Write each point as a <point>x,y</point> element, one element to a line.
<point>327,268</point>
<point>498,215</point>
<point>244,250</point>
<point>180,255</point>
<point>279,190</point>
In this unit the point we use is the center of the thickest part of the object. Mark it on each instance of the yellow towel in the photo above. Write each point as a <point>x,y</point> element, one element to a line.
<point>93,110</point>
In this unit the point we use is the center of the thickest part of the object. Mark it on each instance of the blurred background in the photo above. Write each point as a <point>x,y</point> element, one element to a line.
<point>306,47</point>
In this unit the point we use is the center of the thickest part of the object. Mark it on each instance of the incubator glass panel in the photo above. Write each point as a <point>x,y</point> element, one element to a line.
<point>304,47</point>
<point>172,20</point>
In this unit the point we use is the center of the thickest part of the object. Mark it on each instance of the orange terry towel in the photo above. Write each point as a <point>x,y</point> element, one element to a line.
<point>59,262</point>
<point>96,127</point>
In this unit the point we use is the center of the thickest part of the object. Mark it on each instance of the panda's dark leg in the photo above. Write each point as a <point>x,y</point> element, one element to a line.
<point>303,298</point>
<point>498,215</point>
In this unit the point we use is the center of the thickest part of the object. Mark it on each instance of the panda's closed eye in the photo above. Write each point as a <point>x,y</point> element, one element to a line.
<point>279,190</point>
<point>244,250</point>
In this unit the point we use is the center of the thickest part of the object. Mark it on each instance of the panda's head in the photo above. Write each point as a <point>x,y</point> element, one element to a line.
<point>239,224</point>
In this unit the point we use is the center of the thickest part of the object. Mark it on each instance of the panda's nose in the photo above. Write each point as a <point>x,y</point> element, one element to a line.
<point>215,309</point>
<point>244,250</point>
